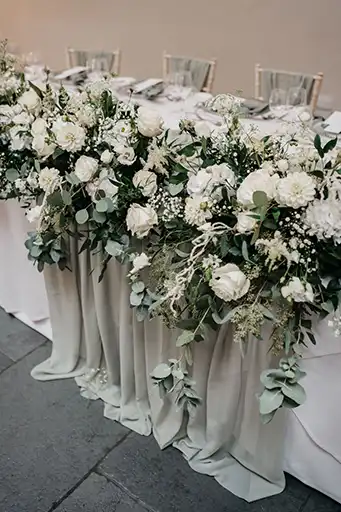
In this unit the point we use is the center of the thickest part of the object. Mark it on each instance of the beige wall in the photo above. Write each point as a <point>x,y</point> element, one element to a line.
<point>302,35</point>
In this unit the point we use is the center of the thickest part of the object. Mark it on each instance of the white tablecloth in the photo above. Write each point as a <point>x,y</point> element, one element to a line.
<point>313,444</point>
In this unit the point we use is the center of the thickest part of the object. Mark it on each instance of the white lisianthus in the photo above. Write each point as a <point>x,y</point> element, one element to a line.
<point>85,168</point>
<point>141,219</point>
<point>69,136</point>
<point>30,100</point>
<point>48,178</point>
<point>295,190</point>
<point>245,223</point>
<point>126,155</point>
<point>139,262</point>
<point>203,129</point>
<point>33,214</point>
<point>257,181</point>
<point>146,181</point>
<point>40,145</point>
<point>149,123</point>
<point>229,282</point>
<point>38,127</point>
<point>298,291</point>
<point>107,156</point>
<point>197,210</point>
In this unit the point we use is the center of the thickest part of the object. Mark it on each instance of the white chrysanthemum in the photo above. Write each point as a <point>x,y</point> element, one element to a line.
<point>86,115</point>
<point>49,178</point>
<point>295,190</point>
<point>197,210</point>
<point>323,219</point>
<point>298,291</point>
<point>69,136</point>
<point>257,181</point>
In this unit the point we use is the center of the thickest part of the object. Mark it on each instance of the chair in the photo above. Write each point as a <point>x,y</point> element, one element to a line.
<point>202,71</point>
<point>268,79</point>
<point>112,60</point>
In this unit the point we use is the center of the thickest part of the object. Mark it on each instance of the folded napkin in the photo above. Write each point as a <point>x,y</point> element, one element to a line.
<point>254,107</point>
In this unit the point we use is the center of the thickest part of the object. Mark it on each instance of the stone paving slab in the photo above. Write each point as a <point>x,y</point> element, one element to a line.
<point>16,339</point>
<point>96,493</point>
<point>163,480</point>
<point>5,362</point>
<point>50,437</point>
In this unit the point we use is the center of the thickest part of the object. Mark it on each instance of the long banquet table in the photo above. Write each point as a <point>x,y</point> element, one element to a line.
<point>97,340</point>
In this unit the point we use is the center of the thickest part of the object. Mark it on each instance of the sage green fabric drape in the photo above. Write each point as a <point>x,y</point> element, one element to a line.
<point>94,327</point>
<point>198,69</point>
<point>280,80</point>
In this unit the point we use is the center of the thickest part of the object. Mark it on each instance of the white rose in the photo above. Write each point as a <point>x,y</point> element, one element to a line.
<point>38,127</point>
<point>147,181</point>
<point>24,118</point>
<point>30,100</point>
<point>257,181</point>
<point>296,291</point>
<point>140,219</point>
<point>69,136</point>
<point>229,282</point>
<point>245,223</point>
<point>203,129</point>
<point>139,262</point>
<point>107,156</point>
<point>149,123</point>
<point>48,178</point>
<point>296,190</point>
<point>126,155</point>
<point>40,145</point>
<point>33,214</point>
<point>85,168</point>
<point>198,183</point>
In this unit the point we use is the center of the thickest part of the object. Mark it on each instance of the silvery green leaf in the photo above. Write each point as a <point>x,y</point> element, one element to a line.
<point>141,314</point>
<point>136,299</point>
<point>270,400</point>
<point>55,255</point>
<point>66,196</point>
<point>12,175</point>
<point>267,313</point>
<point>290,374</point>
<point>125,240</point>
<point>180,253</point>
<point>99,217</point>
<point>245,251</point>
<point>259,198</point>
<point>161,371</point>
<point>102,206</point>
<point>295,392</point>
<point>82,216</point>
<point>37,165</point>
<point>328,306</point>
<point>178,374</point>
<point>36,251</point>
<point>269,378</point>
<point>226,318</point>
<point>188,355</point>
<point>138,286</point>
<point>110,204</point>
<point>113,248</point>
<point>266,418</point>
<point>185,338</point>
<point>175,188</point>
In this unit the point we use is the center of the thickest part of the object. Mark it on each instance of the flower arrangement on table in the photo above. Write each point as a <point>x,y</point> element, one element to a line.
<point>219,225</point>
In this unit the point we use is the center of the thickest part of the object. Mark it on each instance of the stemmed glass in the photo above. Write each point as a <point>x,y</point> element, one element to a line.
<point>297,104</point>
<point>179,85</point>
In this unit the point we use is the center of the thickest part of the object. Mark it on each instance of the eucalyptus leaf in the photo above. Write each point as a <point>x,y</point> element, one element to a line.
<point>138,287</point>
<point>82,216</point>
<point>36,251</point>
<point>55,255</point>
<point>99,217</point>
<point>270,400</point>
<point>269,378</point>
<point>162,371</point>
<point>175,188</point>
<point>114,248</point>
<point>218,320</point>
<point>141,313</point>
<point>136,299</point>
<point>102,206</point>
<point>259,198</point>
<point>245,251</point>
<point>66,196</point>
<point>295,392</point>
<point>12,175</point>
<point>185,338</point>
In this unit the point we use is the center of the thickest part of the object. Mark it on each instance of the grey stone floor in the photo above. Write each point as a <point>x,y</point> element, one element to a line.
<point>58,452</point>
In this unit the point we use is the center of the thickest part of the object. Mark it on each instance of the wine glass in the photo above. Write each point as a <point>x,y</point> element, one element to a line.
<point>99,64</point>
<point>278,103</point>
<point>179,85</point>
<point>297,104</point>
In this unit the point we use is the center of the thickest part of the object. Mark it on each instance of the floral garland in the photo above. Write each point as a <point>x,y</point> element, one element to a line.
<point>234,228</point>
